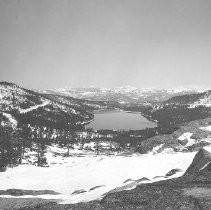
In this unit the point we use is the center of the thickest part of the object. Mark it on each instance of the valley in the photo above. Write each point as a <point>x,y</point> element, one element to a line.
<point>62,142</point>
<point>105,105</point>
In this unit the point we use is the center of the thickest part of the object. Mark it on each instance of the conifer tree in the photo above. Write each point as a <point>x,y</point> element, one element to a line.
<point>41,147</point>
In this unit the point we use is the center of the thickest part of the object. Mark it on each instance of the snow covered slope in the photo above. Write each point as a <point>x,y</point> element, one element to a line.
<point>192,100</point>
<point>87,178</point>
<point>203,101</point>
<point>20,105</point>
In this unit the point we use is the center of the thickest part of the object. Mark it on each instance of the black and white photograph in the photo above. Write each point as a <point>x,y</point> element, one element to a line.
<point>105,104</point>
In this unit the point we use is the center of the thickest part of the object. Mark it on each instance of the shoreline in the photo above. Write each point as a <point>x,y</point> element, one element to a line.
<point>103,111</point>
<point>86,122</point>
<point>149,118</point>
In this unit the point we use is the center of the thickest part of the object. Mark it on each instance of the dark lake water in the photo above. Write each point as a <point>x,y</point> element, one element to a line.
<point>118,120</point>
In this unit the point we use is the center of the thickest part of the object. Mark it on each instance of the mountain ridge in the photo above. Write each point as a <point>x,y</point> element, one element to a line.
<point>29,107</point>
<point>122,94</point>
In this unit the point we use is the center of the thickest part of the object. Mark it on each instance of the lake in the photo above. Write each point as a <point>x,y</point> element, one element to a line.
<point>119,120</point>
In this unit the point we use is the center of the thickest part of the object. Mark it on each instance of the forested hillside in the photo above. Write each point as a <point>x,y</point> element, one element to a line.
<point>32,120</point>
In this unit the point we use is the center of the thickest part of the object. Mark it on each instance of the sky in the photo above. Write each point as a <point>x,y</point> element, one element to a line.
<point>48,44</point>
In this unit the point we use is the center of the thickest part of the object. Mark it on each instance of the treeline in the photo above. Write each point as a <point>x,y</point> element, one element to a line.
<point>15,142</point>
<point>132,138</point>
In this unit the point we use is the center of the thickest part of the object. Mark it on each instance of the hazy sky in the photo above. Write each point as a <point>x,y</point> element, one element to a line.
<point>105,43</point>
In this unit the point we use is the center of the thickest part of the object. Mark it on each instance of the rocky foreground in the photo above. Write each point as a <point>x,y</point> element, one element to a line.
<point>191,191</point>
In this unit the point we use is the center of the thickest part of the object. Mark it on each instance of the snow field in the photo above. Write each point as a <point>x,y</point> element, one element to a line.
<point>75,173</point>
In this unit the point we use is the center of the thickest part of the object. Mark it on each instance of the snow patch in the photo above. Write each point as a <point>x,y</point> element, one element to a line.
<point>205,165</point>
<point>187,136</point>
<point>207,128</point>
<point>12,120</point>
<point>184,136</point>
<point>156,149</point>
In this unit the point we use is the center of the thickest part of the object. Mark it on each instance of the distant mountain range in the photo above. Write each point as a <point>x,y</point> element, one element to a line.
<point>122,95</point>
